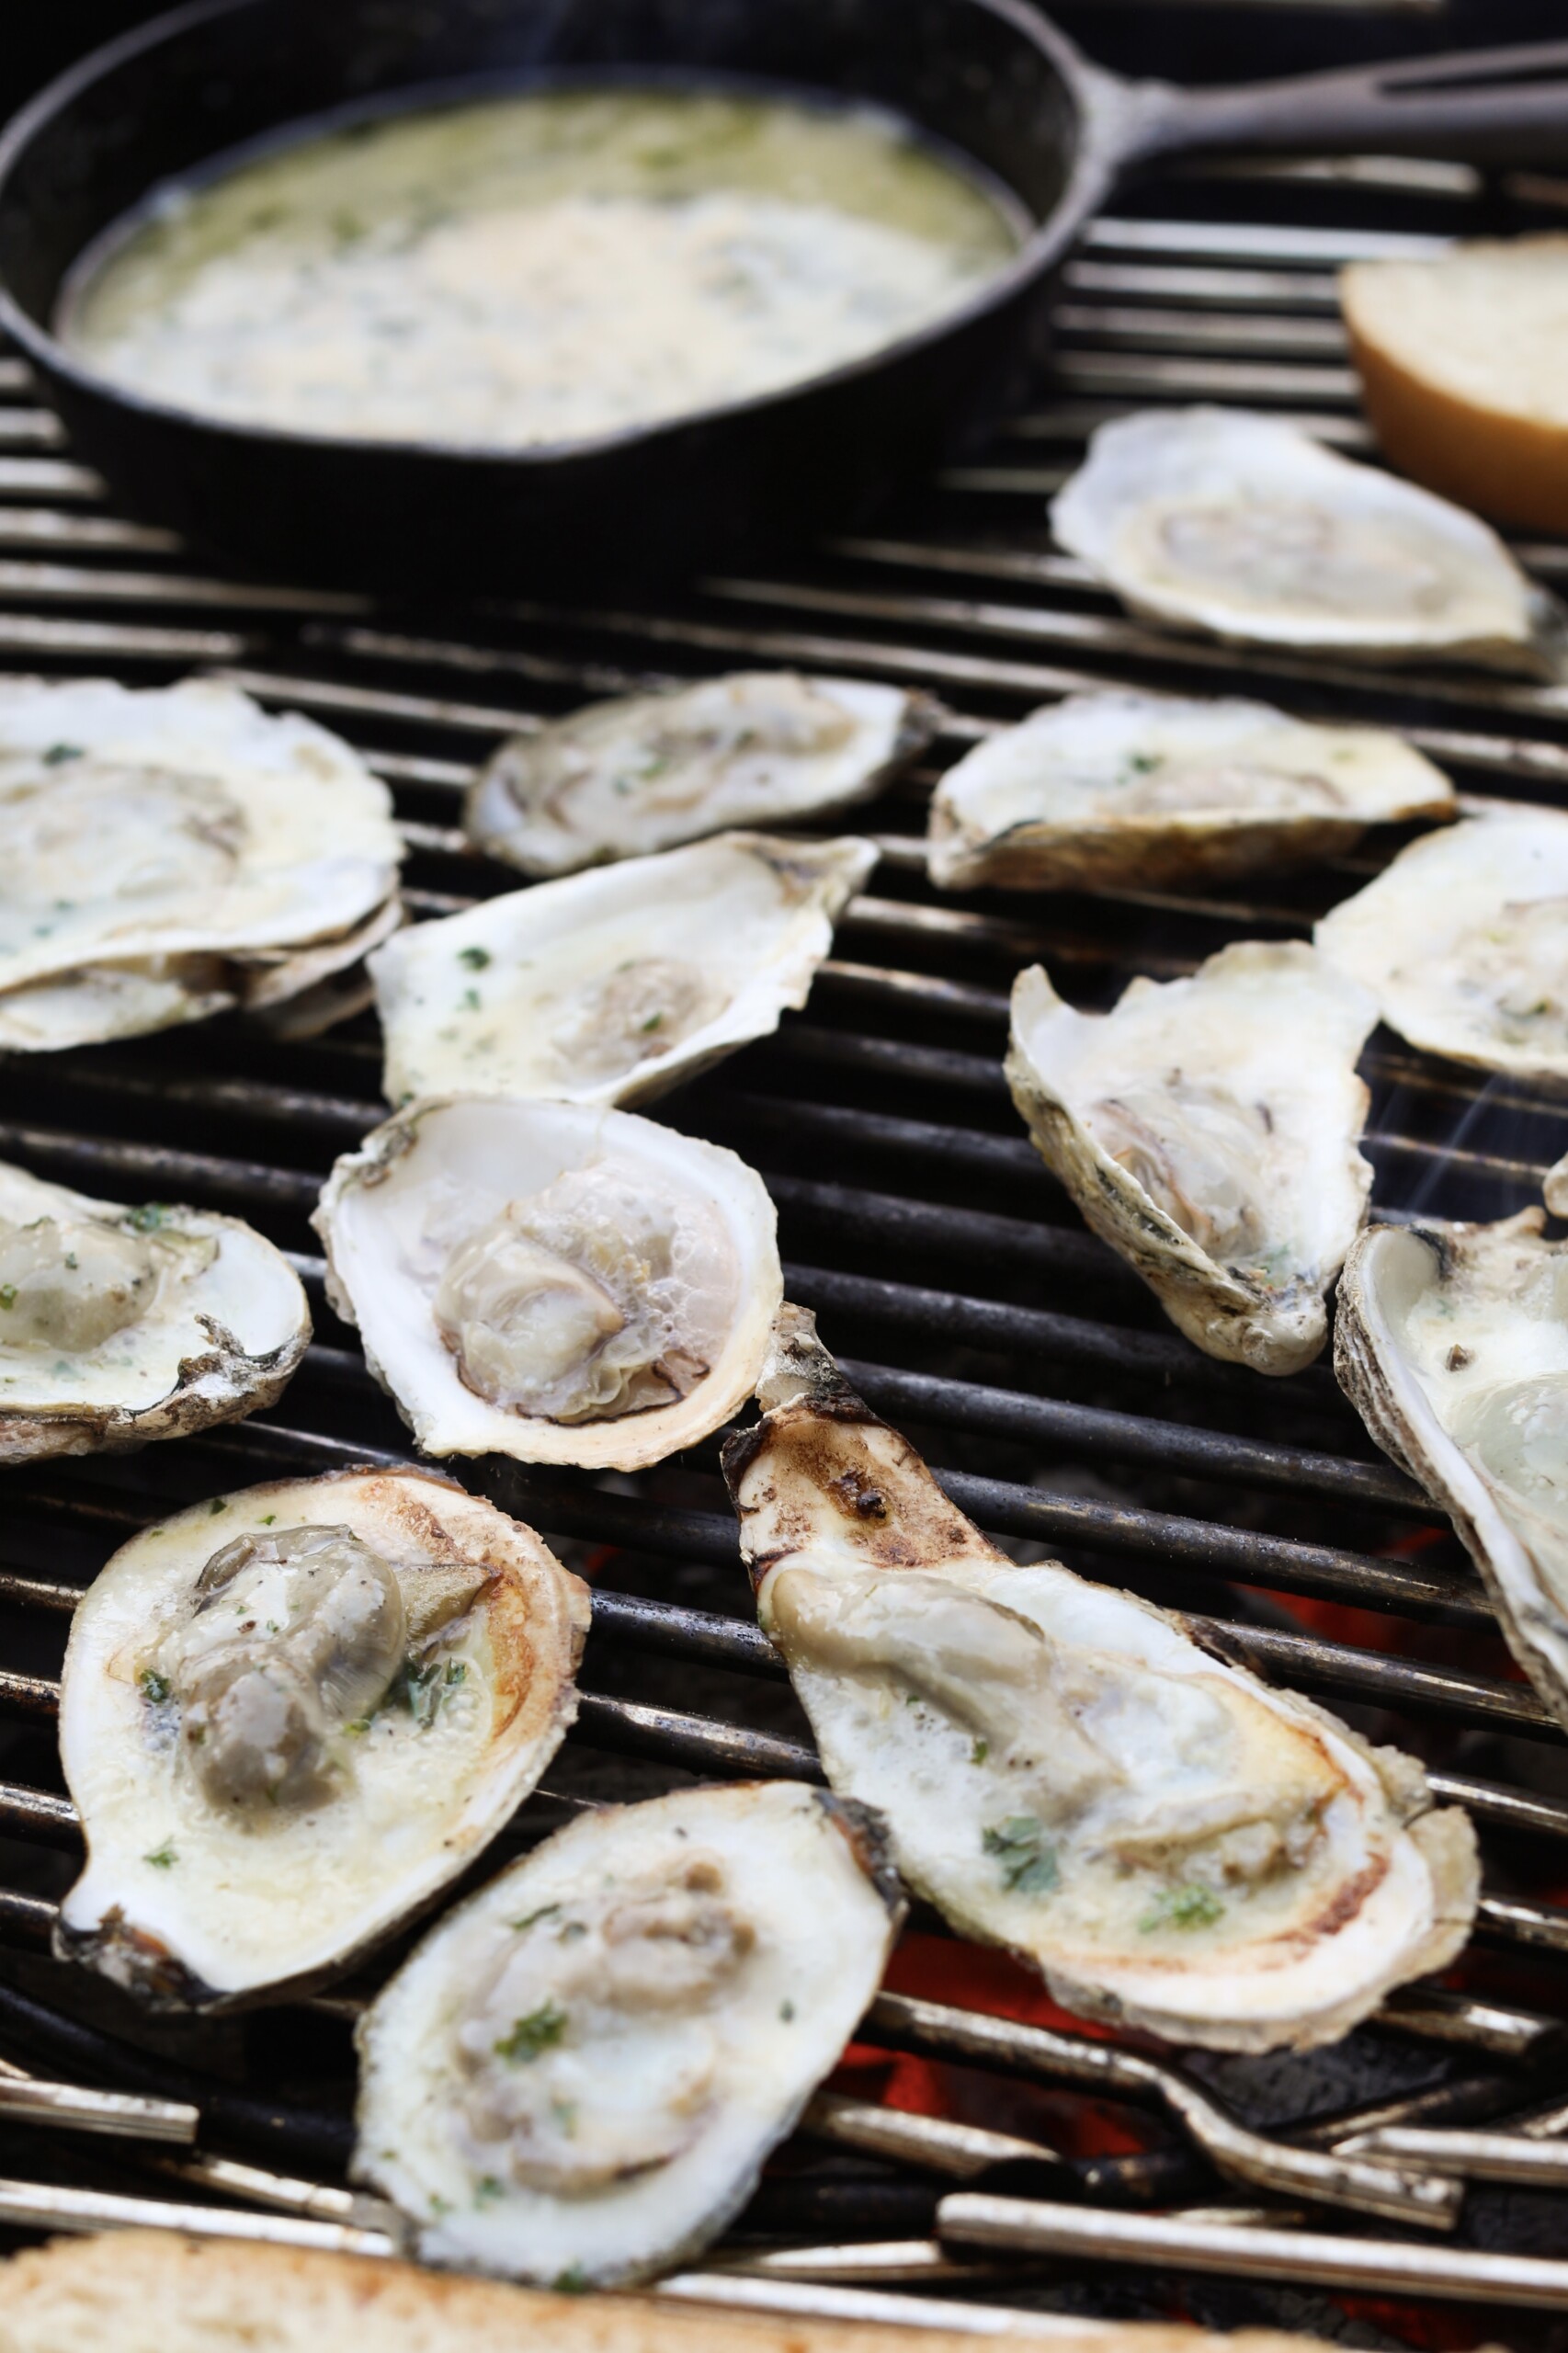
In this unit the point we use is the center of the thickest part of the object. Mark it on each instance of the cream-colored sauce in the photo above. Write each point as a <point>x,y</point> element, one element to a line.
<point>537,268</point>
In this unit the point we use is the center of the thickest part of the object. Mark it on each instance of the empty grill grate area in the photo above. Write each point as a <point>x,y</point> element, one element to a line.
<point>967,1303</point>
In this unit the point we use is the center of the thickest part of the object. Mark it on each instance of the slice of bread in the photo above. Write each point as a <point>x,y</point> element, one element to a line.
<point>150,2292</point>
<point>1463,360</point>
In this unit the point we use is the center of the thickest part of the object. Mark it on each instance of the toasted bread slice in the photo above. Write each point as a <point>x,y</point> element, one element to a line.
<point>1463,361</point>
<point>150,2292</point>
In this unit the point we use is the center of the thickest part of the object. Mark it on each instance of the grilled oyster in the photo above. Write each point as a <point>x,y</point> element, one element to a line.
<point>1063,1771</point>
<point>1122,787</point>
<point>1451,1341</point>
<point>122,1325</point>
<point>291,1717</point>
<point>645,772</point>
<point>1464,940</point>
<point>552,1281</point>
<point>580,2072</point>
<point>615,985</point>
<point>1242,527</point>
<point>156,847</point>
<point>1208,1130</point>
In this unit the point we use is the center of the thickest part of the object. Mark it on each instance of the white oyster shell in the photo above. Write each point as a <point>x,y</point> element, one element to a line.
<point>1208,1130</point>
<point>120,1325</point>
<point>1464,940</point>
<point>1109,789</point>
<point>1239,525</point>
<point>581,2071</point>
<point>1451,1341</point>
<point>644,772</point>
<point>98,1003</point>
<point>434,1719</point>
<point>614,985</point>
<point>648,1270</point>
<point>1170,1842</point>
<point>180,821</point>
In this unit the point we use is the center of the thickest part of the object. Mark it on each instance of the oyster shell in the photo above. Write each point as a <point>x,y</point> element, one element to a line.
<point>1239,527</point>
<point>1120,787</point>
<point>156,846</point>
<point>290,1717</point>
<point>1451,1341</point>
<point>1208,1130</point>
<point>614,985</point>
<point>581,2071</point>
<point>1173,1844</point>
<point>645,772</point>
<point>118,1325</point>
<point>552,1281</point>
<point>1464,940</point>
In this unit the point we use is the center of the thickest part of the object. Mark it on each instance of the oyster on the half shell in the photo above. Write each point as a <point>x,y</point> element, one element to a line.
<point>581,2071</point>
<point>290,1717</point>
<point>1451,1341</point>
<point>552,1281</point>
<point>1063,1771</point>
<point>166,853</point>
<point>1239,527</point>
<point>1208,1130</point>
<point>1464,940</point>
<point>119,1325</point>
<point>614,985</point>
<point>644,772</point>
<point>1123,788</point>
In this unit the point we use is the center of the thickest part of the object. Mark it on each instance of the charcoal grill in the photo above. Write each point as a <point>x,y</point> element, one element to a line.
<point>978,2156</point>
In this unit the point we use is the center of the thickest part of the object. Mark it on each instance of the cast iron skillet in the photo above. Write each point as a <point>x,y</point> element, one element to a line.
<point>990,77</point>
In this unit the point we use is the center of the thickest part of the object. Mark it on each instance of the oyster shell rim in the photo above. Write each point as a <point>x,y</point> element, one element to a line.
<point>916,725</point>
<point>152,1971</point>
<point>1206,1301</point>
<point>1392,1412</point>
<point>1109,852</point>
<point>864,1835</point>
<point>38,1434</point>
<point>802,1378</point>
<point>833,869</point>
<point>623,1440</point>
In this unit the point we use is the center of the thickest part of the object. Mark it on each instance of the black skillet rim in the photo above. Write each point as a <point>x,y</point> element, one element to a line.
<point>1089,177</point>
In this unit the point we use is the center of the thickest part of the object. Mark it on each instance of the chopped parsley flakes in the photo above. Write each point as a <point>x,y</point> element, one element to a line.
<point>1182,1907</point>
<point>1028,1864</point>
<point>531,2036</point>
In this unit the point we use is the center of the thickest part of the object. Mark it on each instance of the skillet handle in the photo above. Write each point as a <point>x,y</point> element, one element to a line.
<point>1486,105</point>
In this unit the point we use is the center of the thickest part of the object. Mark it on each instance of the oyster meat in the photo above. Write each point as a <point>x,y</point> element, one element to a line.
<point>167,853</point>
<point>1242,527</point>
<point>1120,787</point>
<point>580,2072</point>
<point>614,985</point>
<point>1063,1771</point>
<point>648,771</point>
<point>1451,1341</point>
<point>552,1281</point>
<point>120,1325</point>
<point>1208,1130</point>
<point>290,1717</point>
<point>1464,940</point>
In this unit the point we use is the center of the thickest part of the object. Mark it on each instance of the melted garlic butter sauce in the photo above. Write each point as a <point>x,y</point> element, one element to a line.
<point>538,268</point>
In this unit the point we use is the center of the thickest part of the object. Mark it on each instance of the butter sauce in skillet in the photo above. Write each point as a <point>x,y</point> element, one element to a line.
<point>538,268</point>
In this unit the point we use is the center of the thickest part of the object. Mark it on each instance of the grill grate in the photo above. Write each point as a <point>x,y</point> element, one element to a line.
<point>1060,1409</point>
